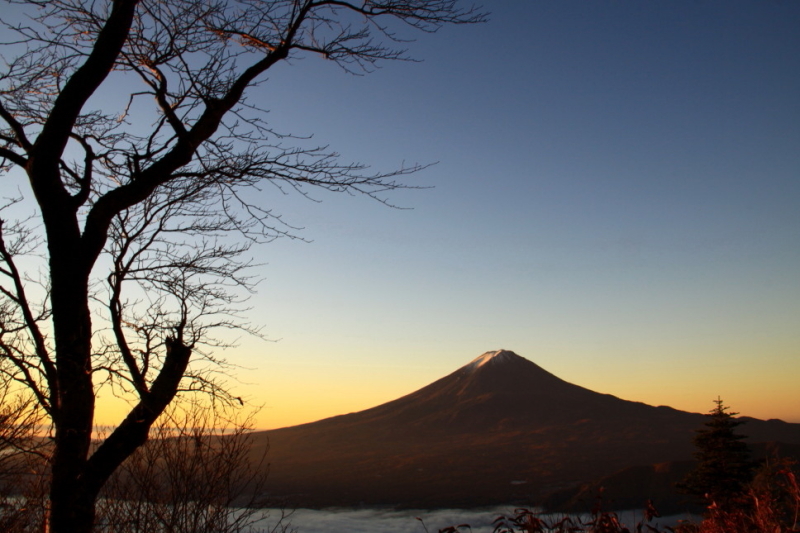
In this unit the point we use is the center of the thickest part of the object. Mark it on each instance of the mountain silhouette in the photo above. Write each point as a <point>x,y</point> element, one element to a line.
<point>498,430</point>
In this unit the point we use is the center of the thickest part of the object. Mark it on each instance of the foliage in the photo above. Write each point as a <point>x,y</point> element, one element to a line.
<point>524,520</point>
<point>724,467</point>
<point>771,504</point>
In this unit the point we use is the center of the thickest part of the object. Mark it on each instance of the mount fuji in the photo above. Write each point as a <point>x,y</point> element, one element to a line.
<point>498,430</point>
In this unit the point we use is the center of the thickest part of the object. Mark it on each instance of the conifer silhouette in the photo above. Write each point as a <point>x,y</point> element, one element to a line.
<point>725,467</point>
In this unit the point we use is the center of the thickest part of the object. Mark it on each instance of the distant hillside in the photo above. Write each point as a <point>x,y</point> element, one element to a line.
<point>497,430</point>
<point>629,488</point>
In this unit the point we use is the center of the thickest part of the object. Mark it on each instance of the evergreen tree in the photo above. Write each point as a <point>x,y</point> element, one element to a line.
<point>724,467</point>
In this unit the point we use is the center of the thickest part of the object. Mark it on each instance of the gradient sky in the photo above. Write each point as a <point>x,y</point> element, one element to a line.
<point>617,199</point>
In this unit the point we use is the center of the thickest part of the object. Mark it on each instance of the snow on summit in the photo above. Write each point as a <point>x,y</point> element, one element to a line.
<point>498,356</point>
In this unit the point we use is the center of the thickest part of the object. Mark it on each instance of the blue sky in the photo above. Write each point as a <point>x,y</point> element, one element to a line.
<point>617,198</point>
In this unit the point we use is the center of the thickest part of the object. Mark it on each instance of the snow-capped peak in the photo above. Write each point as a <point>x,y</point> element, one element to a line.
<point>498,356</point>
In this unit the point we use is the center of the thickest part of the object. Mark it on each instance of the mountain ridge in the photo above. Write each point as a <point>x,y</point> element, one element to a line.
<point>499,429</point>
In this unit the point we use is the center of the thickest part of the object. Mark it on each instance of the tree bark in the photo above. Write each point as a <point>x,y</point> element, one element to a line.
<point>73,418</point>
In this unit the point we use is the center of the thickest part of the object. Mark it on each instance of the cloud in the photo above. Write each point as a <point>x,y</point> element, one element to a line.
<point>392,521</point>
<point>386,521</point>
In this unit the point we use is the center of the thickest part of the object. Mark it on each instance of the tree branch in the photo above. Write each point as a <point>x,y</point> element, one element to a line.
<point>20,298</point>
<point>13,157</point>
<point>85,81</point>
<point>133,431</point>
<point>16,127</point>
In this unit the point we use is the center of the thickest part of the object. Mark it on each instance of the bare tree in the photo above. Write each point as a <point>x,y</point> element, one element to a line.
<point>196,474</point>
<point>23,460</point>
<point>140,190</point>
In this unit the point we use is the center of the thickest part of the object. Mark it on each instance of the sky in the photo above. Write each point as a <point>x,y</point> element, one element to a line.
<point>616,197</point>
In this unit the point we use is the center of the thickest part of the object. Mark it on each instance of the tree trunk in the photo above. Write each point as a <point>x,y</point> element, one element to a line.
<point>72,395</point>
<point>71,509</point>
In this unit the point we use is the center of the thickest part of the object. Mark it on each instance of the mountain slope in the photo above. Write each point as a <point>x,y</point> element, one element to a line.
<point>498,430</point>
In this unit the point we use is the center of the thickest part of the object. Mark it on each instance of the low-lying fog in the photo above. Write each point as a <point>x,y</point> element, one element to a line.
<point>391,521</point>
